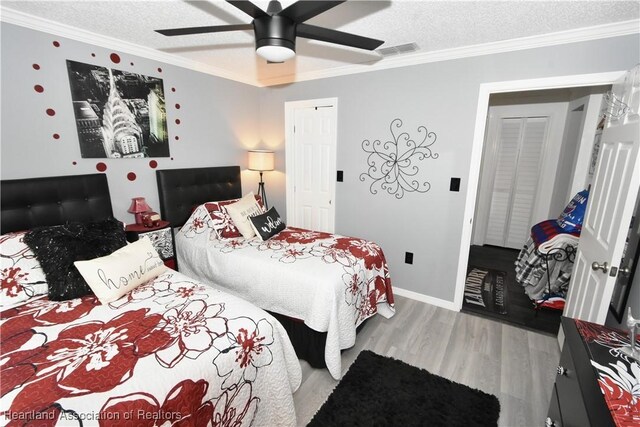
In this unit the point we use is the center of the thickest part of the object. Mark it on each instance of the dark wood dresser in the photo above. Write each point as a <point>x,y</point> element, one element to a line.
<point>590,355</point>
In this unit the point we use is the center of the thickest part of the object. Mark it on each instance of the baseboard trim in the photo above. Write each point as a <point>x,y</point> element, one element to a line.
<point>449,305</point>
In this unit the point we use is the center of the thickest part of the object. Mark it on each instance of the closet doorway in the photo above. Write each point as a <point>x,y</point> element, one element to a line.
<point>536,156</point>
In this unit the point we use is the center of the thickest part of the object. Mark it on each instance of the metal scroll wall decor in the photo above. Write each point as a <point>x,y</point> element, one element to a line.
<point>394,165</point>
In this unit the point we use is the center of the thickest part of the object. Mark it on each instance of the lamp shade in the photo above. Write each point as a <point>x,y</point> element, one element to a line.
<point>261,160</point>
<point>138,205</point>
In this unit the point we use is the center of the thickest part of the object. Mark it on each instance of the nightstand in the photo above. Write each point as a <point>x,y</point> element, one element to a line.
<point>161,237</point>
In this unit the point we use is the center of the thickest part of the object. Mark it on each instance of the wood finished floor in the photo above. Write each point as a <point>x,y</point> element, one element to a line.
<point>516,365</point>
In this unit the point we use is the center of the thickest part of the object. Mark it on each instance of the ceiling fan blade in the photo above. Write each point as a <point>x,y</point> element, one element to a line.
<point>338,37</point>
<point>199,30</point>
<point>249,8</point>
<point>300,11</point>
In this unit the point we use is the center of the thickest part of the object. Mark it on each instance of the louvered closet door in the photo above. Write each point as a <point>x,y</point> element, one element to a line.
<point>518,156</point>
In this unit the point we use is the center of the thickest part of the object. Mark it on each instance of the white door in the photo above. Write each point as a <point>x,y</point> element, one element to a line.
<point>519,167</point>
<point>611,201</point>
<point>311,165</point>
<point>515,184</point>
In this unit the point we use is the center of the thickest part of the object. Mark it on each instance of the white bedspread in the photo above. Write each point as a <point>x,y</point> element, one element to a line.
<point>331,282</point>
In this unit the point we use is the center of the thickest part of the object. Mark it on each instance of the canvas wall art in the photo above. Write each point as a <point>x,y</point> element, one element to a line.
<point>118,114</point>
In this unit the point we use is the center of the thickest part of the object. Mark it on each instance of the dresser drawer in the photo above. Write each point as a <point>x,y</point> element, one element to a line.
<point>577,400</point>
<point>574,412</point>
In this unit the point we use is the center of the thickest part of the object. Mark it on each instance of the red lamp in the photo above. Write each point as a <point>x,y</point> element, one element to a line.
<point>138,207</point>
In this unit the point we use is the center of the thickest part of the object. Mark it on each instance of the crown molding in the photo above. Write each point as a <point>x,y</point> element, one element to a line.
<point>63,30</point>
<point>615,29</point>
<point>551,39</point>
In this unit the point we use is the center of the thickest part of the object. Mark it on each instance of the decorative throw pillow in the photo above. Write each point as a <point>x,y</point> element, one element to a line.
<point>58,247</point>
<point>22,275</point>
<point>112,276</point>
<point>222,222</point>
<point>267,224</point>
<point>240,213</point>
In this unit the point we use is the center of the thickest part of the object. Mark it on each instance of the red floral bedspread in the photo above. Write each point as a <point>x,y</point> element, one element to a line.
<point>332,282</point>
<point>172,351</point>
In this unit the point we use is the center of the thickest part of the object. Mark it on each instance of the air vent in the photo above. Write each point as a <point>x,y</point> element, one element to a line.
<point>397,50</point>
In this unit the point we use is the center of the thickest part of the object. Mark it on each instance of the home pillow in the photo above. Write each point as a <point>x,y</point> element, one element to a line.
<point>112,276</point>
<point>22,275</point>
<point>58,247</point>
<point>222,223</point>
<point>267,224</point>
<point>240,213</point>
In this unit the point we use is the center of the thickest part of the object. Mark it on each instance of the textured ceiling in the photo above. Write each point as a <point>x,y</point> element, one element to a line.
<point>433,25</point>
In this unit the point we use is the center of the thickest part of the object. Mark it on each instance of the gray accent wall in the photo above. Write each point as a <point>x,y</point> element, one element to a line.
<point>218,117</point>
<point>221,119</point>
<point>442,96</point>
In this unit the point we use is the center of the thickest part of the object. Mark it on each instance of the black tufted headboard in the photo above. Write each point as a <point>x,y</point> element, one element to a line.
<point>180,190</point>
<point>35,202</point>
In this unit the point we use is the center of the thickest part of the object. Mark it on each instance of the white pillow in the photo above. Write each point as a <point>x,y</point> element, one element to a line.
<point>240,212</point>
<point>112,276</point>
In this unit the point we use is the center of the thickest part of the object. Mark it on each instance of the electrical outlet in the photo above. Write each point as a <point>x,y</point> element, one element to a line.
<point>340,176</point>
<point>455,184</point>
<point>408,257</point>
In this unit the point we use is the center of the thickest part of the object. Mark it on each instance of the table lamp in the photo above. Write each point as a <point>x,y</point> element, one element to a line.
<point>261,161</point>
<point>138,207</point>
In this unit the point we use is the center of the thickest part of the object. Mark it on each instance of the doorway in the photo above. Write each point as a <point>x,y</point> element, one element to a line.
<point>310,143</point>
<point>536,154</point>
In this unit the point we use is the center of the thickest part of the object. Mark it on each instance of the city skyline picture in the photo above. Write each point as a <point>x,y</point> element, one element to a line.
<point>119,114</point>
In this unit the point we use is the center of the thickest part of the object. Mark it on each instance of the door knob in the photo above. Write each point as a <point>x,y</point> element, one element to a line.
<point>625,271</point>
<point>604,267</point>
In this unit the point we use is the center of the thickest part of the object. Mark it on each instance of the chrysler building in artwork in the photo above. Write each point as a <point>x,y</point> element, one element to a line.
<point>119,114</point>
<point>122,135</point>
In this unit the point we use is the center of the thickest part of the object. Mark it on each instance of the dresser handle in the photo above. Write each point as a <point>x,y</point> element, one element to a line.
<point>561,370</point>
<point>550,423</point>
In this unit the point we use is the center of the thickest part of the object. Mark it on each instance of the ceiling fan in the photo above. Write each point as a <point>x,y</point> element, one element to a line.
<point>276,29</point>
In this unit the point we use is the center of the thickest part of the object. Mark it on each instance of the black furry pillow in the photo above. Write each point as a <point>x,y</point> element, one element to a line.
<point>57,247</point>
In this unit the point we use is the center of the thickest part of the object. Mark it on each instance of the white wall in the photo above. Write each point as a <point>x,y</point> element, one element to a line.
<point>442,96</point>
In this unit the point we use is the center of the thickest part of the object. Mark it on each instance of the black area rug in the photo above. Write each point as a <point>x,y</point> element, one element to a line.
<point>381,391</point>
<point>485,289</point>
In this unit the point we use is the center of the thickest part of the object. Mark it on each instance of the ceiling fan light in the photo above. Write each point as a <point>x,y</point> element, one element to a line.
<point>275,53</point>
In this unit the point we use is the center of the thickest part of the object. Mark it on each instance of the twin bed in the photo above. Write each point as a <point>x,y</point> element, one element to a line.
<point>172,349</point>
<point>321,286</point>
<point>190,345</point>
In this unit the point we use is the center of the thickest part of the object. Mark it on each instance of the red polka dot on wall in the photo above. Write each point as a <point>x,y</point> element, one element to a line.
<point>177,121</point>
<point>56,136</point>
<point>38,88</point>
<point>131,176</point>
<point>173,89</point>
<point>101,167</point>
<point>36,66</point>
<point>115,58</point>
<point>93,55</point>
<point>177,106</point>
<point>159,69</point>
<point>74,163</point>
<point>153,164</point>
<point>51,112</point>
<point>172,158</point>
<point>177,138</point>
<point>56,43</point>
<point>131,63</point>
